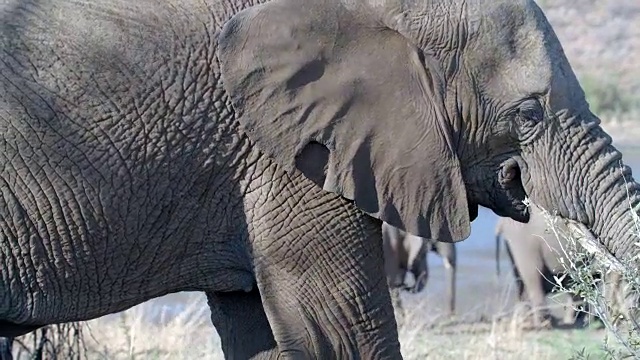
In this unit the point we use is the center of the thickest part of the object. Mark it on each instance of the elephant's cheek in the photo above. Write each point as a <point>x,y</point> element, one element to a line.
<point>511,194</point>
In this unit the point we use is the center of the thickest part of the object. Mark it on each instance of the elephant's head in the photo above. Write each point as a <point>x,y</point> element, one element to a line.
<point>421,110</point>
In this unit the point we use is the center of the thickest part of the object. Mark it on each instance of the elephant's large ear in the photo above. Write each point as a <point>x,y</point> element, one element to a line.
<point>353,105</point>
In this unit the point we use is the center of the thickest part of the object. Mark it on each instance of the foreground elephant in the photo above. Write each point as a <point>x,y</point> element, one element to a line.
<point>246,150</point>
<point>405,253</point>
<point>535,254</point>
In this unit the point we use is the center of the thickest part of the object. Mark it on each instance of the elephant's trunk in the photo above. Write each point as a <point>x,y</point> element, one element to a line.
<point>616,226</point>
<point>615,200</point>
<point>591,187</point>
<point>602,195</point>
<point>618,231</point>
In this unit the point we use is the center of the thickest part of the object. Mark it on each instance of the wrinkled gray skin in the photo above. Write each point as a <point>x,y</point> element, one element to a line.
<point>405,253</point>
<point>247,150</point>
<point>535,254</point>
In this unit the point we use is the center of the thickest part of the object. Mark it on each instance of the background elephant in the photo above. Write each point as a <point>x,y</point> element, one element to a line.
<point>535,254</point>
<point>250,149</point>
<point>405,253</point>
<point>6,348</point>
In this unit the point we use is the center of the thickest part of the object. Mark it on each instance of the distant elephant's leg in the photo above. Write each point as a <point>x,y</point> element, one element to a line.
<point>522,293</point>
<point>535,290</point>
<point>448,254</point>
<point>570,309</point>
<point>584,317</point>
<point>522,296</point>
<point>320,270</point>
<point>6,348</point>
<point>397,305</point>
<point>592,319</point>
<point>242,325</point>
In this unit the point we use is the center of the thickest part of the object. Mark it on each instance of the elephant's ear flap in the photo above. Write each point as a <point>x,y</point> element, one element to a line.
<point>352,105</point>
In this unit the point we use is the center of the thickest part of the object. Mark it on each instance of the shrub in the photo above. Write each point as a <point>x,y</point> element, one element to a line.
<point>605,96</point>
<point>609,286</point>
<point>61,341</point>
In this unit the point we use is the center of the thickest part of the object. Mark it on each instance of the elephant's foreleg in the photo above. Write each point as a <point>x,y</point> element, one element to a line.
<point>240,320</point>
<point>569,316</point>
<point>320,272</point>
<point>535,290</point>
<point>584,317</point>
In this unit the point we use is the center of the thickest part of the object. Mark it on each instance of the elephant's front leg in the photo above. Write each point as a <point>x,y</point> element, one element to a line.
<point>240,320</point>
<point>319,266</point>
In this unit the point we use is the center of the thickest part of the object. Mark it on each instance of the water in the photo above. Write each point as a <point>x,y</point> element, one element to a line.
<point>479,290</point>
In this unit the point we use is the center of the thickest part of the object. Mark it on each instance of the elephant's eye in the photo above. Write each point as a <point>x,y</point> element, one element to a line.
<point>530,110</point>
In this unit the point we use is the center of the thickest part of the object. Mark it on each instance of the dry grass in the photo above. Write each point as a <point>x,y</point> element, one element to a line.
<point>147,331</point>
<point>64,341</point>
<point>188,334</point>
<point>503,337</point>
<point>134,334</point>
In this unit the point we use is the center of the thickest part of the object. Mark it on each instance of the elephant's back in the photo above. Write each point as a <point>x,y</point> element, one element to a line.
<point>104,86</point>
<point>112,112</point>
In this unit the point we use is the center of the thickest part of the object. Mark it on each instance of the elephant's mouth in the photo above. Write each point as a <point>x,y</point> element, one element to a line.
<point>510,198</point>
<point>11,330</point>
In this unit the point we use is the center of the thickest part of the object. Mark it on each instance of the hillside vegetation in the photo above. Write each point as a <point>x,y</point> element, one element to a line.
<point>602,42</point>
